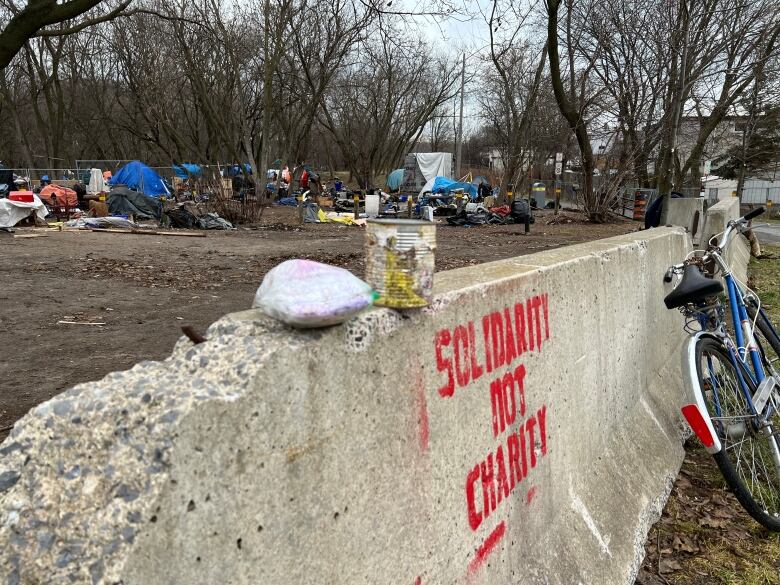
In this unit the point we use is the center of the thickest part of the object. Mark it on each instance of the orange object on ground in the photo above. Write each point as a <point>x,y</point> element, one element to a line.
<point>640,205</point>
<point>64,196</point>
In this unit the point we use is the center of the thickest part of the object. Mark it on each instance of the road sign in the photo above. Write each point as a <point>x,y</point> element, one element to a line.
<point>558,168</point>
<point>558,157</point>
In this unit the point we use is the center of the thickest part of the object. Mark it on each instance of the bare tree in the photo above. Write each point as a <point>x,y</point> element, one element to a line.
<point>316,56</point>
<point>31,19</point>
<point>513,83</point>
<point>380,105</point>
<point>632,71</point>
<point>580,96</point>
<point>442,129</point>
<point>715,46</point>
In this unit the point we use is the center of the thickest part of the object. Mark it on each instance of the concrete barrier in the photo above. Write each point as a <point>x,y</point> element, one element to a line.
<point>717,218</point>
<point>687,212</point>
<point>522,429</point>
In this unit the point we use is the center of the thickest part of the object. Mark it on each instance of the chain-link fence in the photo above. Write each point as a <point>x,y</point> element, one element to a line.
<point>83,167</point>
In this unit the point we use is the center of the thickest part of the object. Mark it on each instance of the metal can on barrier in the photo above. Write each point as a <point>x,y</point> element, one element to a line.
<point>400,260</point>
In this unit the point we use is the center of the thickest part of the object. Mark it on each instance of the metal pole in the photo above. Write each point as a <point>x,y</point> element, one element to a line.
<point>459,145</point>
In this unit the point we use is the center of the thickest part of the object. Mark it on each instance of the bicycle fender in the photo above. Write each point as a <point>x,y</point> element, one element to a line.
<point>696,412</point>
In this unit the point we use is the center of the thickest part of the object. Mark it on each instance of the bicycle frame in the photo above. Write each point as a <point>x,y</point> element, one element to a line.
<point>744,338</point>
<point>742,328</point>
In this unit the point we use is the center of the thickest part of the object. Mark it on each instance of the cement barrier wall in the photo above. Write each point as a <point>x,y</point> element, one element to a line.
<point>687,212</point>
<point>522,429</point>
<point>717,218</point>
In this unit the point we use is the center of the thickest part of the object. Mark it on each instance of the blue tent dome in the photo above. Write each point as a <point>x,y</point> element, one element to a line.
<point>139,177</point>
<point>394,179</point>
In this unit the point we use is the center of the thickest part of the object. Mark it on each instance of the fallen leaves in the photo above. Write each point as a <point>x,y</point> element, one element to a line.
<point>704,537</point>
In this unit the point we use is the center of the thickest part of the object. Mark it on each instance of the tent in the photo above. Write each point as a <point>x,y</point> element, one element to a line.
<point>63,196</point>
<point>394,179</point>
<point>187,170</point>
<point>479,180</point>
<point>235,170</point>
<point>428,164</point>
<point>123,201</point>
<point>447,186</point>
<point>137,176</point>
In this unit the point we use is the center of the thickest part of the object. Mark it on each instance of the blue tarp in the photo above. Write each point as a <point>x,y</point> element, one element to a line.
<point>446,186</point>
<point>137,176</point>
<point>187,170</point>
<point>235,170</point>
<point>394,179</point>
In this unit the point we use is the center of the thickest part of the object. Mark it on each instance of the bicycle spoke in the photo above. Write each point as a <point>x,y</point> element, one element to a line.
<point>748,450</point>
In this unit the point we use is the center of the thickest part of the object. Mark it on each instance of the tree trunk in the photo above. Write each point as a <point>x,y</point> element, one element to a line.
<point>572,115</point>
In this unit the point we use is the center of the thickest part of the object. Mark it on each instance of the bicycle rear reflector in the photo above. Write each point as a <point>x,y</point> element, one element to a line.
<point>693,415</point>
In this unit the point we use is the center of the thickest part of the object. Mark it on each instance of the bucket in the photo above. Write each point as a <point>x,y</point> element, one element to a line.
<point>372,205</point>
<point>400,260</point>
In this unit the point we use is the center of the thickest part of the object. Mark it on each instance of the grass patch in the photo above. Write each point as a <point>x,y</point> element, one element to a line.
<point>765,280</point>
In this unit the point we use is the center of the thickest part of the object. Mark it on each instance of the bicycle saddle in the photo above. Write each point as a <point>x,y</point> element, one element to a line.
<point>693,287</point>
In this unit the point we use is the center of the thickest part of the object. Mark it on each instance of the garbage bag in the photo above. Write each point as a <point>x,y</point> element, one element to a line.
<point>306,294</point>
<point>212,221</point>
<point>181,217</point>
<point>498,219</point>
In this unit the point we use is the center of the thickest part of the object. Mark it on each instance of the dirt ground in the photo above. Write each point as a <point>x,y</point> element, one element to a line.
<point>144,288</point>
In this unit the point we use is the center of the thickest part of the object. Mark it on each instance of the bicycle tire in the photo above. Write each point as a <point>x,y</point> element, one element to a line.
<point>767,339</point>
<point>745,461</point>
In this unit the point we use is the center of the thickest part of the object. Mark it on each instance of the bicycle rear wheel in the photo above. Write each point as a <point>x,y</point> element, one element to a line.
<point>747,459</point>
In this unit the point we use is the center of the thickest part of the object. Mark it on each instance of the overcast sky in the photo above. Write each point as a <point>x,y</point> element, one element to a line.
<point>466,33</point>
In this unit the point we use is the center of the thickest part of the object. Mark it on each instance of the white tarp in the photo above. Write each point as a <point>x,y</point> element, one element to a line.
<point>432,165</point>
<point>97,184</point>
<point>12,212</point>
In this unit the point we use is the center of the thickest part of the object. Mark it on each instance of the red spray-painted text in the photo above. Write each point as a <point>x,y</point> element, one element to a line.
<point>506,335</point>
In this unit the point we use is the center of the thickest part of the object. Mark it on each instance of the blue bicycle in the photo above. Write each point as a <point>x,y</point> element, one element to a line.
<point>733,370</point>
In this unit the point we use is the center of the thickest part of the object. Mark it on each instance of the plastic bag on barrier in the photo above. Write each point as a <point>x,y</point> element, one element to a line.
<point>306,294</point>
